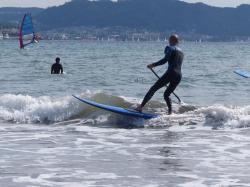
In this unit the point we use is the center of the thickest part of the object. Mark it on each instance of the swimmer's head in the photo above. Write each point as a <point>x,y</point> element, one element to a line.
<point>57,59</point>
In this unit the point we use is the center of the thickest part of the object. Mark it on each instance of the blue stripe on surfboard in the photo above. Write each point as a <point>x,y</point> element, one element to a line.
<point>243,74</point>
<point>117,110</point>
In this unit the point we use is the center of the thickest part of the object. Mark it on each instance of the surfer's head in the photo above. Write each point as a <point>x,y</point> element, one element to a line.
<point>57,59</point>
<point>173,39</point>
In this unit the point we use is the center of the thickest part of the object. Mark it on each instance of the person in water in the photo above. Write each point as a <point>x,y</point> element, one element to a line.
<point>57,68</point>
<point>174,56</point>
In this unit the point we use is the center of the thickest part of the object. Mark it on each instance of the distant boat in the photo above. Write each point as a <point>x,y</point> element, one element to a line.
<point>198,41</point>
<point>64,37</point>
<point>27,33</point>
<point>6,36</point>
<point>1,36</point>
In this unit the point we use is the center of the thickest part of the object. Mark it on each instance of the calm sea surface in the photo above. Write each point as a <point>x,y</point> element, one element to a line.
<point>49,139</point>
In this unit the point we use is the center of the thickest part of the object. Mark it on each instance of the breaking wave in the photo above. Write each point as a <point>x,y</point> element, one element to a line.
<point>49,110</point>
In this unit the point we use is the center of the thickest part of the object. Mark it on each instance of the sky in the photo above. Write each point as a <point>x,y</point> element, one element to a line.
<point>49,3</point>
<point>31,3</point>
<point>220,3</point>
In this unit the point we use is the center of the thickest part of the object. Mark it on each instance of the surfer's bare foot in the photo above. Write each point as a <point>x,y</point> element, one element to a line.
<point>139,108</point>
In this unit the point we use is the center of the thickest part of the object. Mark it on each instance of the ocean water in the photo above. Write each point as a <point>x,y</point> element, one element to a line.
<point>49,139</point>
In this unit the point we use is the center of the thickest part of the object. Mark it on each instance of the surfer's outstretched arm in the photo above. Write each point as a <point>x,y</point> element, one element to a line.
<point>168,53</point>
<point>160,62</point>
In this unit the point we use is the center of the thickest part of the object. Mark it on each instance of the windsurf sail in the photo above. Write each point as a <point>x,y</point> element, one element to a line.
<point>27,33</point>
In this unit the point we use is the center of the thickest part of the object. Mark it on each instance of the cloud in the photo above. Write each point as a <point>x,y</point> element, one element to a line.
<point>31,3</point>
<point>221,3</point>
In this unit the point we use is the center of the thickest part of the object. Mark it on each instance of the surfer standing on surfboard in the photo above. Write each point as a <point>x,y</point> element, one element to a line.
<point>174,56</point>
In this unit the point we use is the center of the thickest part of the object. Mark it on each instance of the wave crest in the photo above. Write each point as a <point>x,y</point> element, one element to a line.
<point>45,109</point>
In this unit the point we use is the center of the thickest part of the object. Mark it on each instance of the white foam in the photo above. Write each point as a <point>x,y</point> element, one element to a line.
<point>216,116</point>
<point>28,109</point>
<point>21,108</point>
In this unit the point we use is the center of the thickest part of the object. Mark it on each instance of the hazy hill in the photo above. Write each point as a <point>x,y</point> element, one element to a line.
<point>156,15</point>
<point>14,15</point>
<point>153,15</point>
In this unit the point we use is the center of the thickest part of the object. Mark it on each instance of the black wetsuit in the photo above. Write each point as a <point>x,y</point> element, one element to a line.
<point>56,68</point>
<point>174,56</point>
